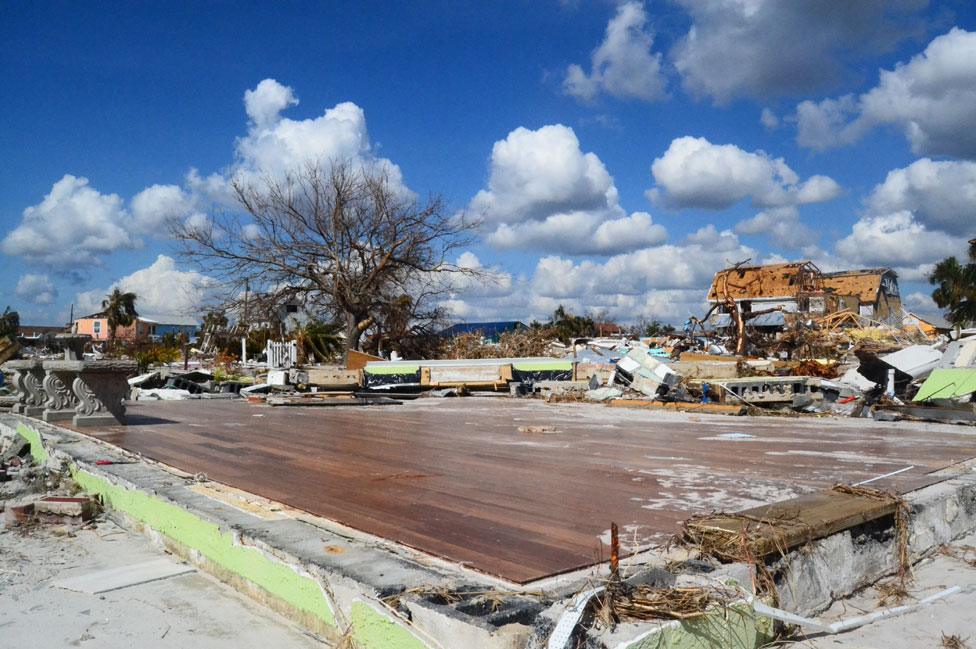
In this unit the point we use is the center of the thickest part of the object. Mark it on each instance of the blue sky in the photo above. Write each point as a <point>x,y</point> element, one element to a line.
<point>620,153</point>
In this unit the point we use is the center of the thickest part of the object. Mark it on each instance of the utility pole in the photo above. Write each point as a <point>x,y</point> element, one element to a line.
<point>247,288</point>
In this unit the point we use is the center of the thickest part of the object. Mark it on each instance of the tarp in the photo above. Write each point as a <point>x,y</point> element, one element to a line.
<point>948,383</point>
<point>774,319</point>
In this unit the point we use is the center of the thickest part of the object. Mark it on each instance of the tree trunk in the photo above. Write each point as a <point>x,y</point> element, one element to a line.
<point>356,324</point>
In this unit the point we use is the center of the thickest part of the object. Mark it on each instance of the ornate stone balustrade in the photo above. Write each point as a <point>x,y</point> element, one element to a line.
<point>61,399</point>
<point>89,393</point>
<point>93,392</point>
<point>27,377</point>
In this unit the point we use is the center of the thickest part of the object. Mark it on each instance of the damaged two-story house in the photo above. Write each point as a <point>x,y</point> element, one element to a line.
<point>800,287</point>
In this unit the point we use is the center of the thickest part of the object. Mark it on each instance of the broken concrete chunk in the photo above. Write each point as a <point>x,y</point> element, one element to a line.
<point>78,508</point>
<point>603,394</point>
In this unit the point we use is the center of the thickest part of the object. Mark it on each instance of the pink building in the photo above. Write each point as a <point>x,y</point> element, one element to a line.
<point>96,326</point>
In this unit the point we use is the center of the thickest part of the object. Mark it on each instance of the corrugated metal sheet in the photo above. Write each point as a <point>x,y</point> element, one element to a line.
<point>774,319</point>
<point>916,361</point>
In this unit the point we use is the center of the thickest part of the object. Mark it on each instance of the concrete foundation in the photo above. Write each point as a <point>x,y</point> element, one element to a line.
<point>338,582</point>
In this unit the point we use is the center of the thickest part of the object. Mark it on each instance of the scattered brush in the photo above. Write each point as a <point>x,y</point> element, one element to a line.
<point>964,553</point>
<point>493,598</point>
<point>953,642</point>
<point>891,592</point>
<point>647,603</point>
<point>755,537</point>
<point>752,541</point>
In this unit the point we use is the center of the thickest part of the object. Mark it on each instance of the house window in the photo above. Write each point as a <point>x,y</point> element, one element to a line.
<point>97,328</point>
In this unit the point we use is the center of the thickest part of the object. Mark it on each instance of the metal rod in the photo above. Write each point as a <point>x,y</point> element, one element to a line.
<point>886,475</point>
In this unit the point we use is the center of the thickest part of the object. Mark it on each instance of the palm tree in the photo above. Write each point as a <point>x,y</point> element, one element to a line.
<point>318,341</point>
<point>956,288</point>
<point>120,310</point>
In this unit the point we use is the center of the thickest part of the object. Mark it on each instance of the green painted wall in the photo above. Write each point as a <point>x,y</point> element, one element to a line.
<point>372,629</point>
<point>387,370</point>
<point>280,580</point>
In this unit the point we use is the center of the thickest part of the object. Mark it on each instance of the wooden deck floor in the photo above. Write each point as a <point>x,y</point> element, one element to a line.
<point>458,478</point>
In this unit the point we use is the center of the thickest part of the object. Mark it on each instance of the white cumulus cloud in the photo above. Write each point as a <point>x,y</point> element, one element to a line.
<point>896,240</point>
<point>930,98</point>
<point>161,289</point>
<point>545,193</point>
<point>266,101</point>
<point>667,282</point>
<point>155,207</point>
<point>941,194</point>
<point>765,48</point>
<point>73,227</point>
<point>693,172</point>
<point>36,289</point>
<point>275,145</point>
<point>781,226</point>
<point>623,65</point>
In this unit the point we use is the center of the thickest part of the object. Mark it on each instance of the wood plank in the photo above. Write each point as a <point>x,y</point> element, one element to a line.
<point>717,408</point>
<point>790,523</point>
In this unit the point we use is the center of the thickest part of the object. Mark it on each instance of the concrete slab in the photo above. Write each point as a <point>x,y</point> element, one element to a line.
<point>104,581</point>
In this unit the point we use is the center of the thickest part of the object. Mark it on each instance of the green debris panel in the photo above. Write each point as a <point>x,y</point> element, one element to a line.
<point>278,579</point>
<point>733,627</point>
<point>544,366</point>
<point>373,630</point>
<point>392,369</point>
<point>38,452</point>
<point>944,384</point>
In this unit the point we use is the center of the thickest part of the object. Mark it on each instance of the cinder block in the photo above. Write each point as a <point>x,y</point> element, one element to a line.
<point>81,508</point>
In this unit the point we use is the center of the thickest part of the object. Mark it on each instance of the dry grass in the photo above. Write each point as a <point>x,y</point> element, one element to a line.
<point>647,603</point>
<point>755,539</point>
<point>493,598</point>
<point>891,592</point>
<point>953,642</point>
<point>511,344</point>
<point>964,553</point>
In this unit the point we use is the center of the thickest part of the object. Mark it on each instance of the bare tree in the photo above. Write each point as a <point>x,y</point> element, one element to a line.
<point>340,238</point>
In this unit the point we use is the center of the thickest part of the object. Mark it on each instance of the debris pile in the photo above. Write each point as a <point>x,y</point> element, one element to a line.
<point>34,493</point>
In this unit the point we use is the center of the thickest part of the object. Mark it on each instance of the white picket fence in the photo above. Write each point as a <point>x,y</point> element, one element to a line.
<point>282,355</point>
